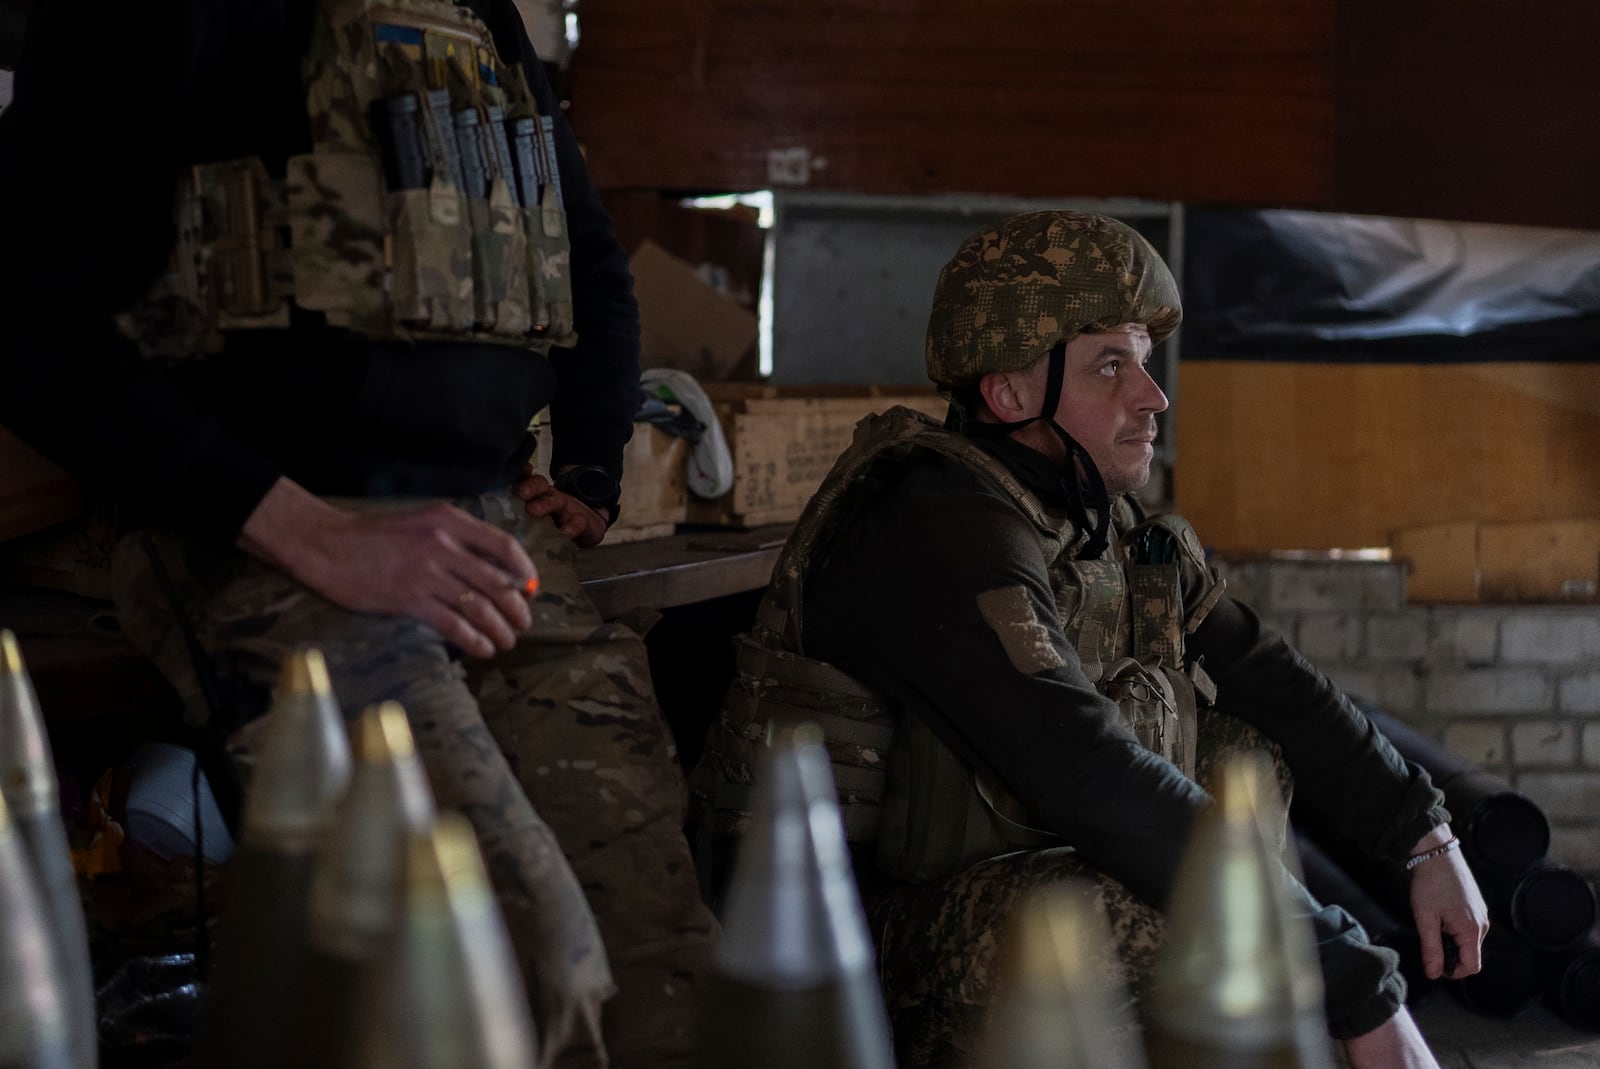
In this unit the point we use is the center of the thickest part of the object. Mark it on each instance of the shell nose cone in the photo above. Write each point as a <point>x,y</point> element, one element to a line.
<point>794,917</point>
<point>303,767</point>
<point>27,773</point>
<point>1061,1003</point>
<point>1239,971</point>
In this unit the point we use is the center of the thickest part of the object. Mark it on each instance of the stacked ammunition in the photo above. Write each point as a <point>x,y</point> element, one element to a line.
<point>302,773</point>
<point>1237,984</point>
<point>360,929</point>
<point>46,989</point>
<point>1542,911</point>
<point>357,884</point>
<point>795,984</point>
<point>448,993</point>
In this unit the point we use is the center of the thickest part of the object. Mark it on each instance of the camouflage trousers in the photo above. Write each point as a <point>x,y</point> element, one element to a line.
<point>554,750</point>
<point>938,943</point>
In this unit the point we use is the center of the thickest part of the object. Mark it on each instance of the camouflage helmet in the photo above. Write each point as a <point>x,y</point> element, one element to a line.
<point>1019,287</point>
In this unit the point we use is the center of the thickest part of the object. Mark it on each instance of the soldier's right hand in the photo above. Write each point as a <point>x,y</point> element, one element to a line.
<point>465,578</point>
<point>1395,1044</point>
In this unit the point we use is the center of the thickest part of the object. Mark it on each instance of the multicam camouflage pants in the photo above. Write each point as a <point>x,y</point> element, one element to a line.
<point>555,751</point>
<point>938,943</point>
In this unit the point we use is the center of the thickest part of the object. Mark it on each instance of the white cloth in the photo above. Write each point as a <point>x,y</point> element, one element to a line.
<point>710,462</point>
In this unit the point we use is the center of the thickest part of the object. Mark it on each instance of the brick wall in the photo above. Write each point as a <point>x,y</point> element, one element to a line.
<point>1513,688</point>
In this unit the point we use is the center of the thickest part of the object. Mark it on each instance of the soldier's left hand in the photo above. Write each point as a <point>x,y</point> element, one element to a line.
<point>1446,902</point>
<point>577,521</point>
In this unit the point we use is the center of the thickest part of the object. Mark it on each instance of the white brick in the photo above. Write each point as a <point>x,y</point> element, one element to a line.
<point>1247,580</point>
<point>1483,742</point>
<point>1397,636</point>
<point>1551,636</point>
<point>1391,689</point>
<point>1489,690</point>
<point>1591,744</point>
<point>1544,743</point>
<point>1581,693</point>
<point>1577,847</point>
<point>1329,636</point>
<point>1463,636</point>
<point>1336,585</point>
<point>1569,796</point>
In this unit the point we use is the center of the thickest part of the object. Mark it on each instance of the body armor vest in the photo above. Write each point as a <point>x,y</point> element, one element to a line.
<point>429,207</point>
<point>900,786</point>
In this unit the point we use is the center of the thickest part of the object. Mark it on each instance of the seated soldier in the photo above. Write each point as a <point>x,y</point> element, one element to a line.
<point>1052,667</point>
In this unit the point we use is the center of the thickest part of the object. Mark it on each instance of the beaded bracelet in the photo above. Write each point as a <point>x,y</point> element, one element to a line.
<point>1439,851</point>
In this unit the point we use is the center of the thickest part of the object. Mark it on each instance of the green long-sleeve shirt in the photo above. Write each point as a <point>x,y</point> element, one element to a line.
<point>896,605</point>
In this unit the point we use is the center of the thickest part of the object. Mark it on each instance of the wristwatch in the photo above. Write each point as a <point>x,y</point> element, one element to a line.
<point>594,486</point>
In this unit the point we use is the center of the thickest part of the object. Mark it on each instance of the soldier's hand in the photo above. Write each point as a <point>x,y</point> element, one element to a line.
<point>1395,1044</point>
<point>577,521</point>
<point>1446,902</point>
<point>465,578</point>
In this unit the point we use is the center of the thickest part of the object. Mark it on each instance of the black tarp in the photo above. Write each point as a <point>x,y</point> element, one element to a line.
<point>1311,286</point>
<point>13,24</point>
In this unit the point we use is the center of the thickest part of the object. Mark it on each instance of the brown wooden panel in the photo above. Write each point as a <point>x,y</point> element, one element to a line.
<point>1469,109</point>
<point>1170,99</point>
<point>1322,456</point>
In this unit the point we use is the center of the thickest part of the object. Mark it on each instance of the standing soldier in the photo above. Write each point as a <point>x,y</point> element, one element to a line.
<point>292,300</point>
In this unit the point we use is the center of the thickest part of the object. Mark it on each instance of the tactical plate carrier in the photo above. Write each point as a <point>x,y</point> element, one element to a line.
<point>899,785</point>
<point>429,207</point>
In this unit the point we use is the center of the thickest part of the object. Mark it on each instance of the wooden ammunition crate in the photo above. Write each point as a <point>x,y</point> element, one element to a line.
<point>785,438</point>
<point>655,486</point>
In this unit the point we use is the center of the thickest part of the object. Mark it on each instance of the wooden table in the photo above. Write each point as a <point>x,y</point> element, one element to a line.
<point>680,569</point>
<point>61,633</point>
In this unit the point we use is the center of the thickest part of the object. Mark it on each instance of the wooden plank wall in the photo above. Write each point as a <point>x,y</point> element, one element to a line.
<point>1461,109</point>
<point>1305,456</point>
<point>1166,99</point>
<point>1469,109</point>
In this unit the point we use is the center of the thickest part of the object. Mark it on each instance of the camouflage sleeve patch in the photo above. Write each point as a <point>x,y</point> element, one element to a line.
<point>1025,638</point>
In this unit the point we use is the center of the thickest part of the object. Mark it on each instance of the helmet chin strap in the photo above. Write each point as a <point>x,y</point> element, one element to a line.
<point>1081,482</point>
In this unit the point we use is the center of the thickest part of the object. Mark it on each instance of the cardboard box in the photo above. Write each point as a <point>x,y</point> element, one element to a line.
<point>684,322</point>
<point>1542,561</point>
<point>785,438</point>
<point>655,485</point>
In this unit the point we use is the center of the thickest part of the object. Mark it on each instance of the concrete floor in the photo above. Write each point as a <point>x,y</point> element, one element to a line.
<point>1534,1039</point>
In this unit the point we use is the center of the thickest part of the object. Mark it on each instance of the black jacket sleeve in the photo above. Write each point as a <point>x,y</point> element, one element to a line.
<point>901,604</point>
<point>1343,767</point>
<point>597,390</point>
<point>89,153</point>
